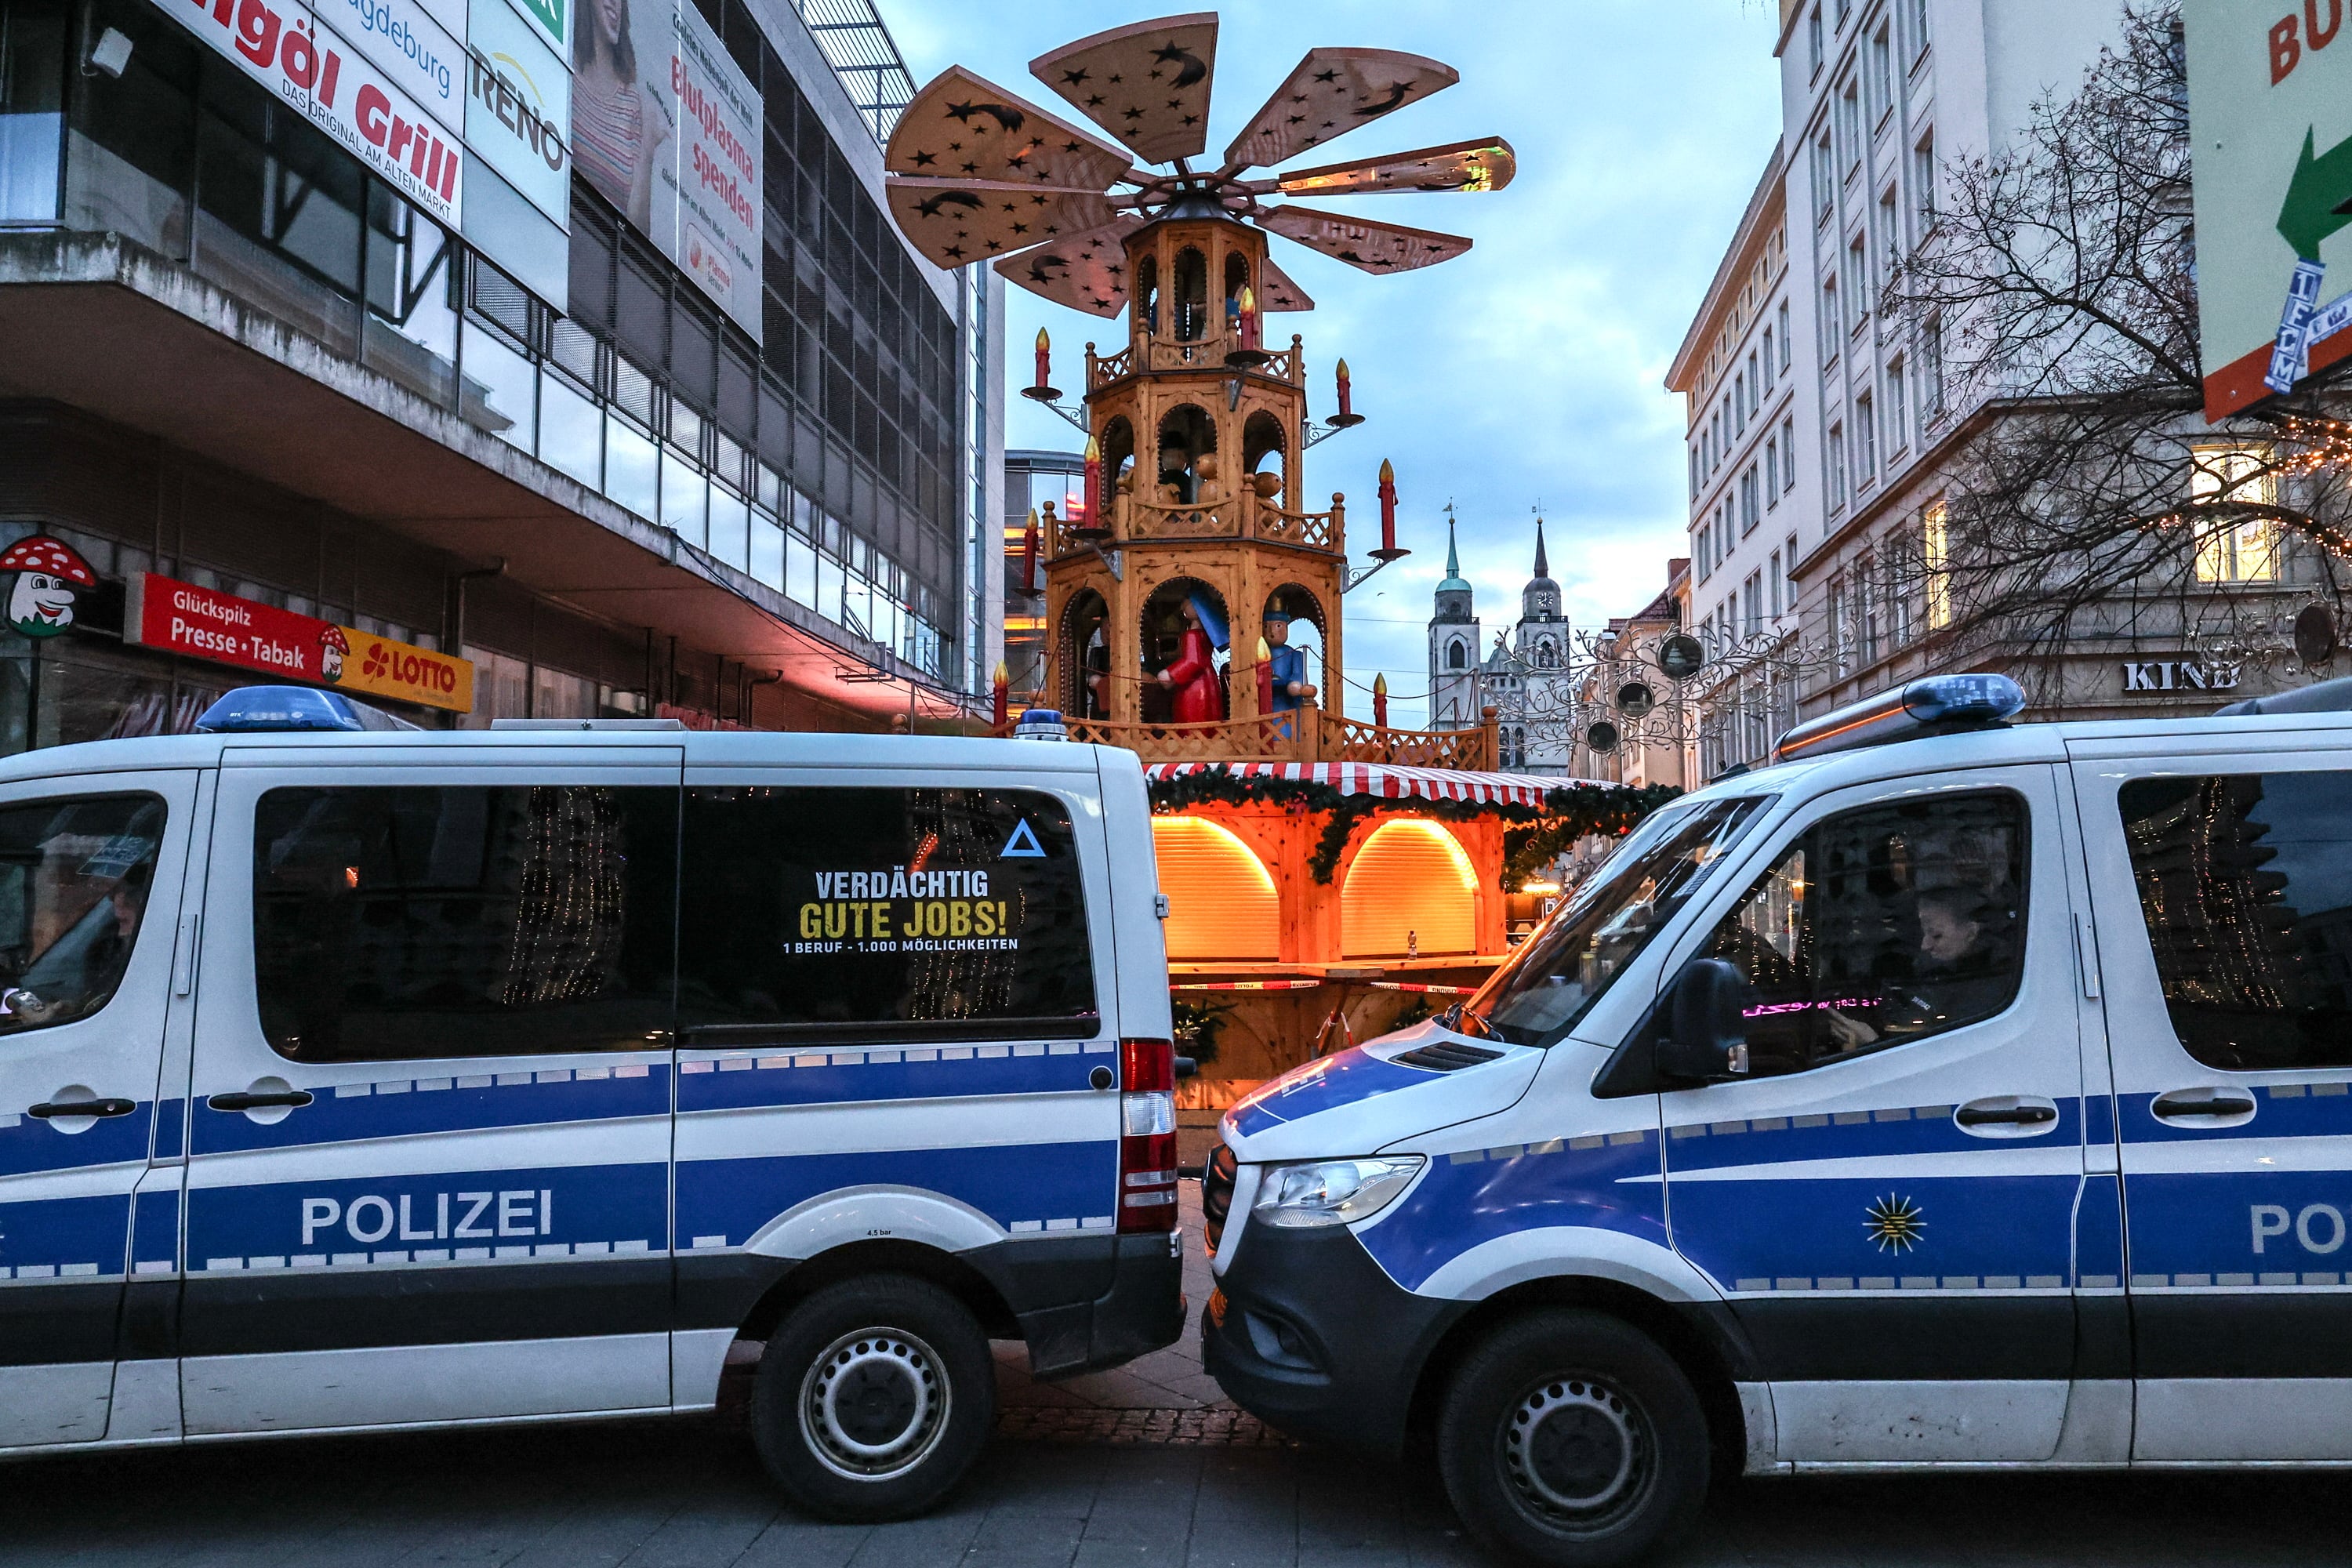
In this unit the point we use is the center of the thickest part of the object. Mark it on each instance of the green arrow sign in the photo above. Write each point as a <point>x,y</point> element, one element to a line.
<point>2318,198</point>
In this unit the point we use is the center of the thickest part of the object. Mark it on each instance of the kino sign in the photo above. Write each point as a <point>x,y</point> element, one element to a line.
<point>2269,108</point>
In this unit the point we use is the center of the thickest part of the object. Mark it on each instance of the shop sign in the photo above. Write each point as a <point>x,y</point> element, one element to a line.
<point>2177,675</point>
<point>308,65</point>
<point>411,44</point>
<point>519,108</point>
<point>46,580</point>
<point>203,623</point>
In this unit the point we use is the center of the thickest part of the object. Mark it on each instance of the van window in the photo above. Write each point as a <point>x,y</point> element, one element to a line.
<point>868,913</point>
<point>1561,971</point>
<point>74,879</point>
<point>2245,883</point>
<point>395,923</point>
<point>1882,926</point>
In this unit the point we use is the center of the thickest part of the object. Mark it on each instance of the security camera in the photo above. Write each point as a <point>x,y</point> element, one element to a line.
<point>111,52</point>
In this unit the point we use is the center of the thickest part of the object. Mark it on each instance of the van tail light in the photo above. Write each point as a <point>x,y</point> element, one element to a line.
<point>1147,1142</point>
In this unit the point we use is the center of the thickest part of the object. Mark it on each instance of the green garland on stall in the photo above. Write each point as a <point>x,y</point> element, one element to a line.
<point>1567,813</point>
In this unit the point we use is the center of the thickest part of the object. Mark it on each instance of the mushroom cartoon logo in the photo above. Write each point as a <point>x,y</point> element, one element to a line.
<point>332,646</point>
<point>48,577</point>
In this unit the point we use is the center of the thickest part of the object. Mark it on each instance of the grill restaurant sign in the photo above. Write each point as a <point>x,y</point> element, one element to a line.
<point>202,622</point>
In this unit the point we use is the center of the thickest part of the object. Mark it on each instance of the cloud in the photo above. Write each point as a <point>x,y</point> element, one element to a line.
<point>1530,369</point>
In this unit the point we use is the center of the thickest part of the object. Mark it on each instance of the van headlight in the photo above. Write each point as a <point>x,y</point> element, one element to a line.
<point>1331,1192</point>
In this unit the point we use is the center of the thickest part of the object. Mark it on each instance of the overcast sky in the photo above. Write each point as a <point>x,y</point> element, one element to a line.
<point>1529,370</point>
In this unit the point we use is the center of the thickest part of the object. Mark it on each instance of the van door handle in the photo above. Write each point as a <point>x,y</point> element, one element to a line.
<point>2186,1102</point>
<point>49,1109</point>
<point>2007,1116</point>
<point>295,1098</point>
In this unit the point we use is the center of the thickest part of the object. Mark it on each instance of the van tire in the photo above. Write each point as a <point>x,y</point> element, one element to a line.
<point>874,1398</point>
<point>1625,1468</point>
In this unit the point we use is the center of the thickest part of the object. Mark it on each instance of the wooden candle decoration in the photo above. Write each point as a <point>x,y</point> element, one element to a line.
<point>1388,505</point>
<point>1380,701</point>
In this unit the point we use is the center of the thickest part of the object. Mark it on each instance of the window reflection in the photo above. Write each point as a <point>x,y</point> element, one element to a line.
<point>412,296</point>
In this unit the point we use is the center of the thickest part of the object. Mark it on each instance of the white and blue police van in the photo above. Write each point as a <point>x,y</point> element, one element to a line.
<point>1947,1094</point>
<point>353,1076</point>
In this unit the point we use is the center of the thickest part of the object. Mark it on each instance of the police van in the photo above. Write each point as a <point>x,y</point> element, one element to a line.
<point>357,1078</point>
<point>1945,1095</point>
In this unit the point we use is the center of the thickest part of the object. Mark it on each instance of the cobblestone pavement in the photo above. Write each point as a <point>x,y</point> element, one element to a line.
<point>1147,1466</point>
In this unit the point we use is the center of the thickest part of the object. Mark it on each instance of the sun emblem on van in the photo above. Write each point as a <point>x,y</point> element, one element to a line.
<point>1896,1224</point>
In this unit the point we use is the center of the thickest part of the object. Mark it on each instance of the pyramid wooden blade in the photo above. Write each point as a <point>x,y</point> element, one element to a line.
<point>954,222</point>
<point>1147,84</point>
<point>1278,292</point>
<point>1360,242</point>
<point>963,127</point>
<point>1487,165</point>
<point>1085,271</point>
<point>1331,92</point>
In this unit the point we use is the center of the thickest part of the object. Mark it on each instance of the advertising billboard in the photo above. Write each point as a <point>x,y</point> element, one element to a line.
<point>518,108</point>
<point>667,128</point>
<point>2269,106</point>
<point>309,66</point>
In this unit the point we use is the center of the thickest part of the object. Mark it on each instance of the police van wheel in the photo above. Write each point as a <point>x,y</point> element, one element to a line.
<point>1570,1438</point>
<point>873,1398</point>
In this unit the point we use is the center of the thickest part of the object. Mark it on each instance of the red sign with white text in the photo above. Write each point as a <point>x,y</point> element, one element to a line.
<point>204,623</point>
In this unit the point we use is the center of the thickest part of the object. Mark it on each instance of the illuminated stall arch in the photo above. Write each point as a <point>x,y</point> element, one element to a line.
<point>1222,902</point>
<point>1410,887</point>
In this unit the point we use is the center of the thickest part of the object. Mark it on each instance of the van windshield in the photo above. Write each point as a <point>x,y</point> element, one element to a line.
<point>1563,969</point>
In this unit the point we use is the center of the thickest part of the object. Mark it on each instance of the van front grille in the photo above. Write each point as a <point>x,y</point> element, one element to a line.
<point>1446,1056</point>
<point>1216,1196</point>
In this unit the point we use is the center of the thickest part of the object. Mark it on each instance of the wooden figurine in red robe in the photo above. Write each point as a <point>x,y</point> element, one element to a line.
<point>1197,695</point>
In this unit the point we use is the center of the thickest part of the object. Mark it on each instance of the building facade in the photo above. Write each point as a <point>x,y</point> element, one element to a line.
<point>486,412</point>
<point>1037,484</point>
<point>1747,418</point>
<point>1528,678</point>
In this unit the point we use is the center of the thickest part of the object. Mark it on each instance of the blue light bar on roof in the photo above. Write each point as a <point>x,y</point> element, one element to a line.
<point>282,709</point>
<point>1937,705</point>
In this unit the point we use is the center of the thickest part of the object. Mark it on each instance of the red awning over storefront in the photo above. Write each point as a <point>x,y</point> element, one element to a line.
<point>1388,781</point>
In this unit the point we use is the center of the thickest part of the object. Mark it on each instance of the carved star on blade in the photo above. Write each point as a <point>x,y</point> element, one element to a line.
<point>925,160</point>
<point>1327,76</point>
<point>1135,114</point>
<point>954,250</point>
<point>1074,78</point>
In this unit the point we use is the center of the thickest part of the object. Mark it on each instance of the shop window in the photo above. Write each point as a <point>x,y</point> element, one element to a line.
<point>1411,891</point>
<point>2234,547</point>
<point>2242,883</point>
<point>1879,927</point>
<point>74,880</point>
<point>872,913</point>
<point>394,924</point>
<point>1222,903</point>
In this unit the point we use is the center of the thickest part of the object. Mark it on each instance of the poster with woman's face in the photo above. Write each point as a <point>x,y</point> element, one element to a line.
<point>623,114</point>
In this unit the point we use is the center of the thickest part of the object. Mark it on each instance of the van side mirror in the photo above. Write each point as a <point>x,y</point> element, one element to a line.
<point>1706,1033</point>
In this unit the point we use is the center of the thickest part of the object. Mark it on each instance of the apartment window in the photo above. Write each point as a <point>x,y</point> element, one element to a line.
<point>1931,366</point>
<point>1830,320</point>
<point>1890,232</point>
<point>1918,29</point>
<point>1788,568</point>
<point>2234,549</point>
<point>1755,601</point>
<point>1936,557</point>
<point>1768,357</point>
<point>1898,595</point>
<point>1694,468</point>
<point>1739,403</point>
<point>1754,377</point>
<point>1813,40</point>
<point>1881,75</point>
<point>1772,471</point>
<point>1923,181</point>
<point>1858,282</point>
<point>1865,441</point>
<point>1848,126</point>
<point>1731,613</point>
<point>1872,628</point>
<point>1789,452</point>
<point>1779,585</point>
<point>1698,552</point>
<point>1836,466</point>
<point>1897,434</point>
<point>1752,510</point>
<point>1841,623</point>
<point>1825,178</point>
<point>1783,315</point>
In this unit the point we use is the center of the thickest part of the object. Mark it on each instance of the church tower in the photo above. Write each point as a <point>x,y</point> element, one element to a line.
<point>1541,640</point>
<point>1453,696</point>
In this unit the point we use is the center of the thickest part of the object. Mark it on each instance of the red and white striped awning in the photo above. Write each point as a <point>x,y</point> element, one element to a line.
<point>1388,781</point>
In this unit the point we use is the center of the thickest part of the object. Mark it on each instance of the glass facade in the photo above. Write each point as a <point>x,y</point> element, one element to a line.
<point>843,444</point>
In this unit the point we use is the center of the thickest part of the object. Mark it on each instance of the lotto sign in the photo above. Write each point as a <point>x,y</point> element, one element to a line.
<point>2270,101</point>
<point>204,623</point>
